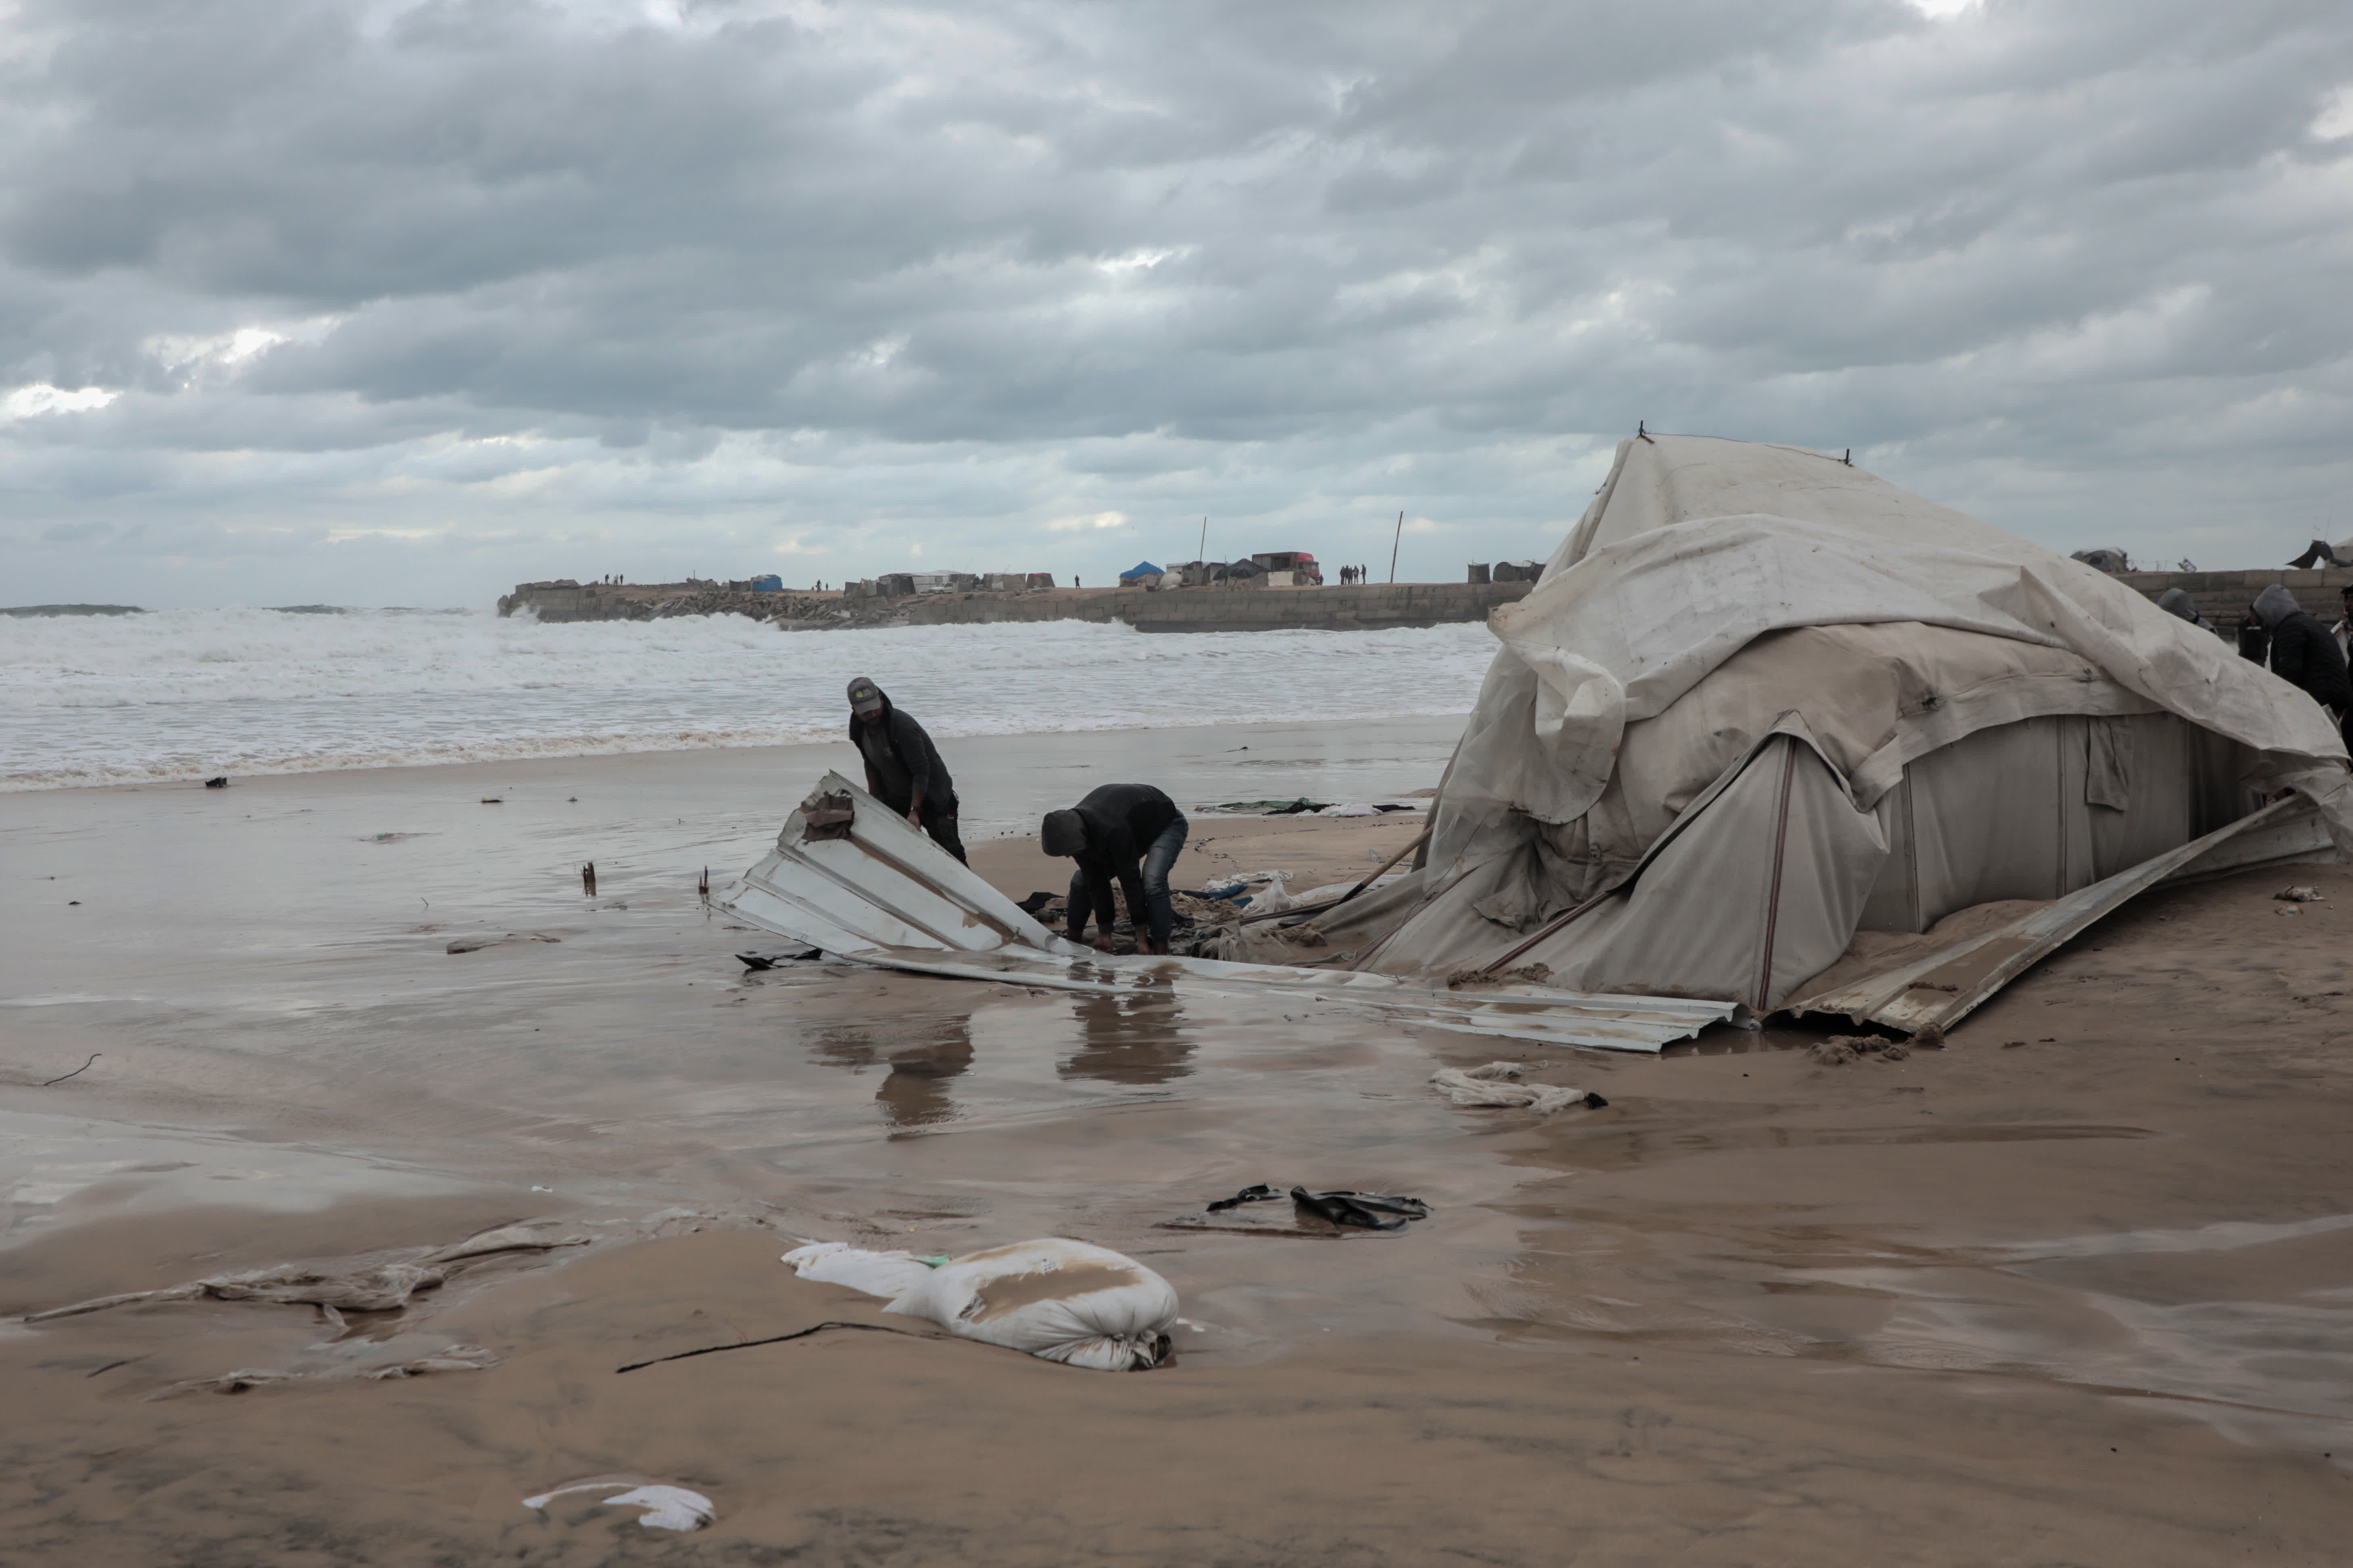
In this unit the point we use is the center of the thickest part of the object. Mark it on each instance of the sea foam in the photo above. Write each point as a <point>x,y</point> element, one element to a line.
<point>181,694</point>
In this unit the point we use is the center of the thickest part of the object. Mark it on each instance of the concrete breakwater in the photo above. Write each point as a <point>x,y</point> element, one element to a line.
<point>2220,597</point>
<point>2223,597</point>
<point>1367,607</point>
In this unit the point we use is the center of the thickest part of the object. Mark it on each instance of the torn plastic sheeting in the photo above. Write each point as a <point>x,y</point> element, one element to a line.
<point>1535,1013</point>
<point>352,1284</point>
<point>452,1358</point>
<point>1498,1086</point>
<point>1351,1211</point>
<point>666,1507</point>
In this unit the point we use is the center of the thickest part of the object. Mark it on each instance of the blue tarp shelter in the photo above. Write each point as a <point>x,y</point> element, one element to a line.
<point>1141,569</point>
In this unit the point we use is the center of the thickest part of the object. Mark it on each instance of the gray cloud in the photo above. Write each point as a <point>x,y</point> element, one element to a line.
<point>403,300</point>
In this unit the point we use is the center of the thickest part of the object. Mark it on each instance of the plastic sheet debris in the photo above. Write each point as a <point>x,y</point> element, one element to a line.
<point>1253,1194</point>
<point>1355,1211</point>
<point>792,953</point>
<point>2300,895</point>
<point>884,1273</point>
<point>666,1508</point>
<point>352,1286</point>
<point>1498,1085</point>
<point>452,1358</point>
<point>1294,807</point>
<point>1361,1211</point>
<point>220,783</point>
<point>511,939</point>
<point>1058,1300</point>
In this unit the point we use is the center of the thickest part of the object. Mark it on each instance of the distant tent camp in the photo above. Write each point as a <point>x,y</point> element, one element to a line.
<point>1770,729</point>
<point>1141,569</point>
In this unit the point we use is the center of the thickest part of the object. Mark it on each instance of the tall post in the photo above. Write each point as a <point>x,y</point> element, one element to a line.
<point>1393,547</point>
<point>1203,555</point>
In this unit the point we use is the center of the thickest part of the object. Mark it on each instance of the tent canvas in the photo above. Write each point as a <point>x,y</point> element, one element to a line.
<point>1141,569</point>
<point>1761,701</point>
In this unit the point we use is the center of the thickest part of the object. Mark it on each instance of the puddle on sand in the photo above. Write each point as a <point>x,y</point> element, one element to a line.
<point>2222,1322</point>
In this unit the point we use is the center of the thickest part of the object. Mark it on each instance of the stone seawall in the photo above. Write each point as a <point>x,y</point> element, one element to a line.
<point>1230,609</point>
<point>1355,608</point>
<point>2223,597</point>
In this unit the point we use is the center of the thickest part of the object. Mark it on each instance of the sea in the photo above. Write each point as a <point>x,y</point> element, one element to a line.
<point>188,694</point>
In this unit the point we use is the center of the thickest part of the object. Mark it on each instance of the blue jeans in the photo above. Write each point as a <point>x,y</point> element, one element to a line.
<point>1157,861</point>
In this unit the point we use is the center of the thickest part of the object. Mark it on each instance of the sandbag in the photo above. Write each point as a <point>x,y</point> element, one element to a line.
<point>1058,1300</point>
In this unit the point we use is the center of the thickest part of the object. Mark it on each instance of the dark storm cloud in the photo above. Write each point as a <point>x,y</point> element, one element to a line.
<point>856,279</point>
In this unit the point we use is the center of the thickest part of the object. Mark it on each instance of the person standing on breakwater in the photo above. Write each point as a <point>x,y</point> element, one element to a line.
<point>903,770</point>
<point>1132,832</point>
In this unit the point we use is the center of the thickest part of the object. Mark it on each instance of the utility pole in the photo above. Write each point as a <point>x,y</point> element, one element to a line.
<point>1203,557</point>
<point>1393,547</point>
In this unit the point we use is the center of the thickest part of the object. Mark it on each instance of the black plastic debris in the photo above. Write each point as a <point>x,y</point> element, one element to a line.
<point>1362,1210</point>
<point>1356,1211</point>
<point>796,952</point>
<point>1035,901</point>
<point>220,783</point>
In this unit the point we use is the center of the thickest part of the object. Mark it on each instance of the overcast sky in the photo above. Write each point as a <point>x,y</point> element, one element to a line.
<point>403,304</point>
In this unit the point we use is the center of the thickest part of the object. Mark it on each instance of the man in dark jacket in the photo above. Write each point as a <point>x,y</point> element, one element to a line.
<point>903,770</point>
<point>1134,833</point>
<point>2303,654</point>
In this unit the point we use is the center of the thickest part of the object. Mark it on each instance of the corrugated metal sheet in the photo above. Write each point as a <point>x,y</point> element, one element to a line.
<point>883,893</point>
<point>1947,985</point>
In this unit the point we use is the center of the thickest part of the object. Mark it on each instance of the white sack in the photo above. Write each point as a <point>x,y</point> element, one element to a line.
<point>1060,1300</point>
<point>1497,1085</point>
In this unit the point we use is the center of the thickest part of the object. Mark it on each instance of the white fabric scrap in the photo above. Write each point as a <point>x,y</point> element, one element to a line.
<point>666,1508</point>
<point>884,1273</point>
<point>1497,1085</point>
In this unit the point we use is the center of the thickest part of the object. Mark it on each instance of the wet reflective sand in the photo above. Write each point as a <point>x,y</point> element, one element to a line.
<point>2083,1299</point>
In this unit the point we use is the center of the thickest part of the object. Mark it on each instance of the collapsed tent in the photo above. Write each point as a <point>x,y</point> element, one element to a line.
<point>849,877</point>
<point>1771,731</point>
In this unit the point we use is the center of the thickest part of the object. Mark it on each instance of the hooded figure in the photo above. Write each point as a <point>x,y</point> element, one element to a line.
<point>903,770</point>
<point>2303,654</point>
<point>2177,602</point>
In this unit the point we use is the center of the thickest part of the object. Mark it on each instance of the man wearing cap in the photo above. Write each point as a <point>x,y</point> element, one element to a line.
<point>903,770</point>
<point>1134,833</point>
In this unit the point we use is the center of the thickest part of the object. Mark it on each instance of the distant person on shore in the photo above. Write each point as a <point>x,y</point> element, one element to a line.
<point>903,770</point>
<point>2303,653</point>
<point>1132,833</point>
<point>2175,602</point>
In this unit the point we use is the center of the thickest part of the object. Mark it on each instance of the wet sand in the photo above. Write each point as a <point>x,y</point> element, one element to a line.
<point>2082,1298</point>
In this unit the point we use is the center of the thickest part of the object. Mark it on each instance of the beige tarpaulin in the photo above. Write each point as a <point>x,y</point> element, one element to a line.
<point>1776,699</point>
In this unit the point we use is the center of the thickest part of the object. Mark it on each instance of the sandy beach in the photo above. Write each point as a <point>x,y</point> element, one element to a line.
<point>2072,1290</point>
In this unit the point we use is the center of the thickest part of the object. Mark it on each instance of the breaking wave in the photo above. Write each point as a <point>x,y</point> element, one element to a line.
<point>182,694</point>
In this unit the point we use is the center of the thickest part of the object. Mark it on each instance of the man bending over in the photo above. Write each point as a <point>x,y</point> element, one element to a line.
<point>1134,833</point>
<point>903,770</point>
